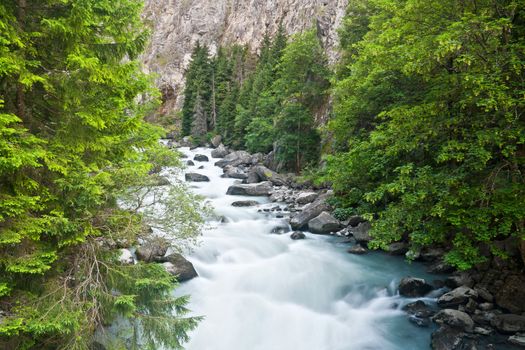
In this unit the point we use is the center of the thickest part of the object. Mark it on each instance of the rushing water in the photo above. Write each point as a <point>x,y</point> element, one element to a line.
<point>263,291</point>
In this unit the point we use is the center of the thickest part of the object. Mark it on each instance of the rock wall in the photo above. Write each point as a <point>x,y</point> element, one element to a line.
<point>178,24</point>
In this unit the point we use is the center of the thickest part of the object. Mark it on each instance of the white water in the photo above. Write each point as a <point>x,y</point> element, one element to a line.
<point>261,291</point>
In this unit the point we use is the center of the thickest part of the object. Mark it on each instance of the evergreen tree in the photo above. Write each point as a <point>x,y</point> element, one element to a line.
<point>199,127</point>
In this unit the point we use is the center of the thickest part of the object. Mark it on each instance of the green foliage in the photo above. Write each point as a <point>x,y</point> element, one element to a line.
<point>429,122</point>
<point>73,146</point>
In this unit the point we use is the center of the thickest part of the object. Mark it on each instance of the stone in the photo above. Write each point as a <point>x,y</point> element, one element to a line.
<point>300,220</point>
<point>126,257</point>
<point>194,177</point>
<point>483,331</point>
<point>414,287</point>
<point>361,232</point>
<point>297,235</point>
<point>418,321</point>
<point>484,294</point>
<point>458,280</point>
<point>306,197</point>
<point>162,181</point>
<point>511,296</point>
<point>260,189</point>
<point>201,158</point>
<point>509,323</point>
<point>152,251</point>
<point>357,250</point>
<point>450,338</point>
<point>234,172</point>
<point>486,306</point>
<point>431,254</point>
<point>440,266</point>
<point>252,178</point>
<point>179,267</point>
<point>280,229</point>
<point>216,141</point>
<point>355,220</point>
<point>266,174</point>
<point>517,339</point>
<point>220,152</point>
<point>455,319</point>
<point>190,163</point>
<point>235,159</point>
<point>324,223</point>
<point>419,308</point>
<point>397,248</point>
<point>456,297</point>
<point>245,203</point>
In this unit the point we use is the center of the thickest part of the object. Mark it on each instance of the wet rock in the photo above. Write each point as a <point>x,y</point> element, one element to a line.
<point>306,197</point>
<point>216,141</point>
<point>323,223</point>
<point>126,257</point>
<point>361,232</point>
<point>509,323</point>
<point>266,174</point>
<point>483,331</point>
<point>456,297</point>
<point>511,296</point>
<point>357,250</point>
<point>455,319</point>
<point>190,163</point>
<point>235,159</point>
<point>484,317</point>
<point>220,152</point>
<point>397,248</point>
<point>414,287</point>
<point>517,339</point>
<point>260,189</point>
<point>419,308</point>
<point>179,267</point>
<point>201,158</point>
<point>300,221</point>
<point>418,321</point>
<point>297,235</point>
<point>234,172</point>
<point>245,203</point>
<point>450,338</point>
<point>279,230</point>
<point>194,177</point>
<point>440,266</point>
<point>152,251</point>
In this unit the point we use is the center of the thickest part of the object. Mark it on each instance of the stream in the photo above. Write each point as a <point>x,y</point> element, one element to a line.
<point>264,291</point>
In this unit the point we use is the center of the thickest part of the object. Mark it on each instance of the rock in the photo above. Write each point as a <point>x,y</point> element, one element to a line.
<point>297,235</point>
<point>162,181</point>
<point>486,306</point>
<point>220,152</point>
<point>456,297</point>
<point>418,321</point>
<point>257,158</point>
<point>190,163</point>
<point>300,221</point>
<point>431,254</point>
<point>450,338</point>
<point>484,317</point>
<point>194,177</point>
<point>266,174</point>
<point>419,308</point>
<point>511,296</point>
<point>260,189</point>
<point>280,229</point>
<point>517,339</point>
<point>483,331</point>
<point>245,203</point>
<point>360,232</point>
<point>459,279</point>
<point>484,294</point>
<point>455,319</point>
<point>323,223</point>
<point>439,267</point>
<point>179,267</point>
<point>201,158</point>
<point>152,251</point>
<point>126,258</point>
<point>355,220</point>
<point>509,323</point>
<point>252,178</point>
<point>235,159</point>
<point>397,248</point>
<point>306,197</point>
<point>357,250</point>
<point>216,141</point>
<point>414,287</point>
<point>234,172</point>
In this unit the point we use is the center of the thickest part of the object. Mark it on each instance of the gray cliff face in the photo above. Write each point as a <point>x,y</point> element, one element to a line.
<point>178,24</point>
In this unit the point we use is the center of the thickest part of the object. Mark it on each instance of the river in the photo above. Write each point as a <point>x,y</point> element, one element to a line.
<point>264,291</point>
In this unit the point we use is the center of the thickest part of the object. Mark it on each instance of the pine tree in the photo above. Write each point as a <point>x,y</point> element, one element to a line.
<point>199,126</point>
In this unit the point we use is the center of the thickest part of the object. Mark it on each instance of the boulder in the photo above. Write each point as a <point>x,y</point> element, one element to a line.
<point>300,221</point>
<point>431,254</point>
<point>126,257</point>
<point>260,189</point>
<point>220,152</point>
<point>234,172</point>
<point>235,159</point>
<point>508,323</point>
<point>266,174</point>
<point>398,248</point>
<point>252,177</point>
<point>361,232</point>
<point>190,163</point>
<point>517,339</point>
<point>297,235</point>
<point>414,287</point>
<point>201,158</point>
<point>456,297</point>
<point>194,177</point>
<point>511,295</point>
<point>419,309</point>
<point>280,229</point>
<point>459,279</point>
<point>152,251</point>
<point>179,267</point>
<point>418,321</point>
<point>306,197</point>
<point>355,220</point>
<point>357,250</point>
<point>216,141</point>
<point>455,319</point>
<point>450,338</point>
<point>323,223</point>
<point>440,266</point>
<point>245,203</point>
